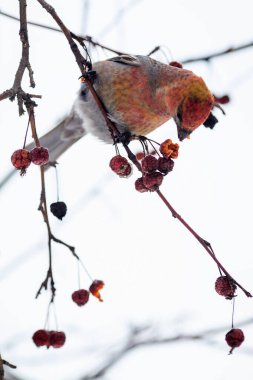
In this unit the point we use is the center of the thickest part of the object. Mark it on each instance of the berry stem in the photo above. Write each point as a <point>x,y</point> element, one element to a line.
<point>30,108</point>
<point>26,132</point>
<point>203,242</point>
<point>57,183</point>
<point>233,313</point>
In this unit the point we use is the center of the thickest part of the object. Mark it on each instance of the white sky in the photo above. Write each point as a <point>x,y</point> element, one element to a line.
<point>153,269</point>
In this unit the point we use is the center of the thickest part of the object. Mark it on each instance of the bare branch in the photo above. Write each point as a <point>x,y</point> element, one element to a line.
<point>16,90</point>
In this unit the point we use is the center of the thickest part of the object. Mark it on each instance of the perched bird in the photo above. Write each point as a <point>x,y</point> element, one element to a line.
<point>139,95</point>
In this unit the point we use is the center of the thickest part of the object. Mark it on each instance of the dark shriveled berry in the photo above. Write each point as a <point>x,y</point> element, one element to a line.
<point>58,209</point>
<point>234,338</point>
<point>80,297</point>
<point>41,338</point>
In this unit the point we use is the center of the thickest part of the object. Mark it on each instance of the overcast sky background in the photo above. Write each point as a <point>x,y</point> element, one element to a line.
<point>155,272</point>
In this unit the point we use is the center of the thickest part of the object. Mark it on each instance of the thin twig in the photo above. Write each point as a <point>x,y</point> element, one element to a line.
<point>202,241</point>
<point>81,61</point>
<point>77,37</point>
<point>16,90</point>
<point>2,363</point>
<point>44,210</point>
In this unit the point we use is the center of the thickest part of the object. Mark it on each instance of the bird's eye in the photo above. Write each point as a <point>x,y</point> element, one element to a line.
<point>179,116</point>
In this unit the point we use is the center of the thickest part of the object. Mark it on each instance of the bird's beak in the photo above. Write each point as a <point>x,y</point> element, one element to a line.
<point>181,132</point>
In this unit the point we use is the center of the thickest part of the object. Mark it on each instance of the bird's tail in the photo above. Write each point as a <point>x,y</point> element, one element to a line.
<point>57,140</point>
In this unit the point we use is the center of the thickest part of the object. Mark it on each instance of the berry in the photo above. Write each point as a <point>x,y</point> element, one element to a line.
<point>139,156</point>
<point>234,338</point>
<point>176,64</point>
<point>222,99</point>
<point>58,209</point>
<point>95,287</point>
<point>56,339</point>
<point>152,181</point>
<point>80,297</point>
<point>165,165</point>
<point>41,338</point>
<point>225,287</point>
<point>118,164</point>
<point>139,185</point>
<point>169,149</point>
<point>126,171</point>
<point>21,160</point>
<point>39,155</point>
<point>149,164</point>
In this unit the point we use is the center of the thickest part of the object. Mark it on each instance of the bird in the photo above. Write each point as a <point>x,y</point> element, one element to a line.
<point>139,94</point>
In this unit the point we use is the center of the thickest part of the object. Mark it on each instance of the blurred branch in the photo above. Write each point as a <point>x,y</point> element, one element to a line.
<point>74,36</point>
<point>219,54</point>
<point>2,363</point>
<point>89,39</point>
<point>118,17</point>
<point>141,336</point>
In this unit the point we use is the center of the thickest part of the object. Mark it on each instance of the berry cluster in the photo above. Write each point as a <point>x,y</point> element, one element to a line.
<point>81,296</point>
<point>22,158</point>
<point>55,339</point>
<point>153,169</point>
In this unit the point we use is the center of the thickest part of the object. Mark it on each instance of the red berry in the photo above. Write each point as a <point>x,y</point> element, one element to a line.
<point>41,338</point>
<point>234,338</point>
<point>21,160</point>
<point>118,164</point>
<point>165,165</point>
<point>80,297</point>
<point>139,186</point>
<point>176,64</point>
<point>95,287</point>
<point>222,99</point>
<point>149,164</point>
<point>139,156</point>
<point>39,155</point>
<point>225,287</point>
<point>152,181</point>
<point>56,339</point>
<point>126,171</point>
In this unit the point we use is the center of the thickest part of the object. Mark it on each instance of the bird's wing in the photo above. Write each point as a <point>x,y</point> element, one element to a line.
<point>60,138</point>
<point>126,59</point>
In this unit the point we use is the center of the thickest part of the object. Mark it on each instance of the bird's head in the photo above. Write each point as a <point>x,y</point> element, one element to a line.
<point>193,108</point>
